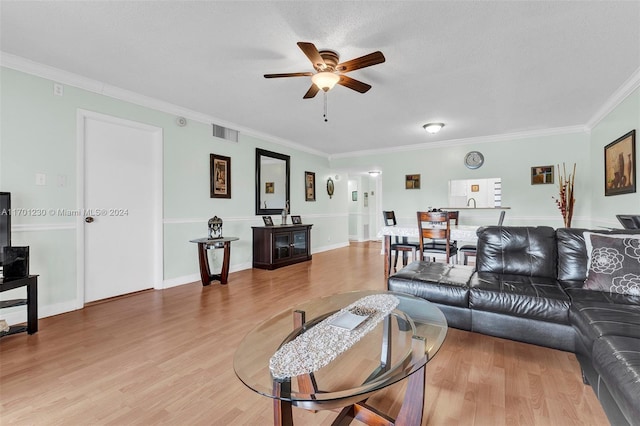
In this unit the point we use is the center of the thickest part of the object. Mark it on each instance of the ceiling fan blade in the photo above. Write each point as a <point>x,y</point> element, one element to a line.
<point>353,84</point>
<point>312,53</point>
<point>313,90</point>
<point>290,74</point>
<point>361,62</point>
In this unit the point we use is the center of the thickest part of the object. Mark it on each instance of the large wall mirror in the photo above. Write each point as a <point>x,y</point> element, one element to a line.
<point>475,193</point>
<point>272,182</point>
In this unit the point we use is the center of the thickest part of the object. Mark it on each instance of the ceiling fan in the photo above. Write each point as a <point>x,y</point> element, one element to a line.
<point>329,72</point>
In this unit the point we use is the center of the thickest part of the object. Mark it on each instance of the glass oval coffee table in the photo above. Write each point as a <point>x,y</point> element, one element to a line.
<point>389,347</point>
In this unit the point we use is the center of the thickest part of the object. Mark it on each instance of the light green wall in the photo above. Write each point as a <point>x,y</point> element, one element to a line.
<point>38,135</point>
<point>510,160</point>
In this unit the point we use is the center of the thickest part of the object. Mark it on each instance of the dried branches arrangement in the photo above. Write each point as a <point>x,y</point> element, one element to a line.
<point>565,200</point>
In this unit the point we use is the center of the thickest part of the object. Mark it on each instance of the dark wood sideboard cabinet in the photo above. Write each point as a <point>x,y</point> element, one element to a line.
<point>280,245</point>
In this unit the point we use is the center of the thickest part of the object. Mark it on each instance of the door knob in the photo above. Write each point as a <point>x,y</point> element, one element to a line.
<point>88,219</point>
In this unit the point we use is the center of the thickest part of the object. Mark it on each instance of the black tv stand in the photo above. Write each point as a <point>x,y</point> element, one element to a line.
<point>31,283</point>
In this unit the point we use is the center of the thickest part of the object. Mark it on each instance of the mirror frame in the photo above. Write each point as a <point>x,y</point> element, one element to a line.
<point>264,153</point>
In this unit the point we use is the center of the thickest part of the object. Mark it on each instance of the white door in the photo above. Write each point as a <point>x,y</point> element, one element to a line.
<point>121,202</point>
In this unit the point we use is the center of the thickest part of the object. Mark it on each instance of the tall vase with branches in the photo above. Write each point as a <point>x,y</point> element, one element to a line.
<point>566,200</point>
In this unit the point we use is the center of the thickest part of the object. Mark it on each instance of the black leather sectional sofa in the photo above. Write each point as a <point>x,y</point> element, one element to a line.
<point>528,285</point>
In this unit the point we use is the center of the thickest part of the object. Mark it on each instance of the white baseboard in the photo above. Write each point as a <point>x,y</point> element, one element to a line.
<point>18,314</point>
<point>330,247</point>
<point>187,279</point>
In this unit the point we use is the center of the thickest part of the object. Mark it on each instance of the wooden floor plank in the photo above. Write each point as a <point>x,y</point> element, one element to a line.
<point>166,357</point>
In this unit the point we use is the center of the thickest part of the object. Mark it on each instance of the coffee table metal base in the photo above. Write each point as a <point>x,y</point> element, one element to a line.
<point>410,414</point>
<point>412,405</point>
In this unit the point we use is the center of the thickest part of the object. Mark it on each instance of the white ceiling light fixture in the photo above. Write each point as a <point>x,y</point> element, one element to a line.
<point>325,80</point>
<point>374,173</point>
<point>433,128</point>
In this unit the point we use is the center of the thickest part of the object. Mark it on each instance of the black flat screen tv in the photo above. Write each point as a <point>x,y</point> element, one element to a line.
<point>5,223</point>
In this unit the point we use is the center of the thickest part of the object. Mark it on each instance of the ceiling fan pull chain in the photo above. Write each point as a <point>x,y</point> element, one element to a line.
<point>326,107</point>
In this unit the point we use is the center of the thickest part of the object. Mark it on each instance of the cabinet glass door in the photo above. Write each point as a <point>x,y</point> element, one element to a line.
<point>299,243</point>
<point>281,246</point>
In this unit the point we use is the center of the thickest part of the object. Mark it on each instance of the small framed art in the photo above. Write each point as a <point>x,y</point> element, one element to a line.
<point>541,175</point>
<point>269,187</point>
<point>309,186</point>
<point>412,181</point>
<point>296,220</point>
<point>267,220</point>
<point>220,171</point>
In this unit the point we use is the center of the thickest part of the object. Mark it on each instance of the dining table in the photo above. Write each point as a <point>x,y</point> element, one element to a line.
<point>465,233</point>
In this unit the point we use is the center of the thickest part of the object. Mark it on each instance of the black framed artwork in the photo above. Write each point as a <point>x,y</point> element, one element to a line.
<point>267,220</point>
<point>309,186</point>
<point>220,176</point>
<point>620,165</point>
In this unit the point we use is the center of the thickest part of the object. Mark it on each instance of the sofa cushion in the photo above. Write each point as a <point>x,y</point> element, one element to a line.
<point>539,298</point>
<point>617,361</point>
<point>584,295</point>
<point>433,281</point>
<point>572,252</point>
<point>594,319</point>
<point>527,251</point>
<point>614,263</point>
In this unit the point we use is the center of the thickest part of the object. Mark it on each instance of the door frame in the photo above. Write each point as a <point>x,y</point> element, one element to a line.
<point>157,245</point>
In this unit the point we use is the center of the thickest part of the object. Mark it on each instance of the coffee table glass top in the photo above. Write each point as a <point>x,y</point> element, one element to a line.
<point>357,371</point>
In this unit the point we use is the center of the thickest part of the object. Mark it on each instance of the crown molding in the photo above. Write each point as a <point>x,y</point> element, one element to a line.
<point>632,83</point>
<point>55,74</point>
<point>467,141</point>
<point>28,66</point>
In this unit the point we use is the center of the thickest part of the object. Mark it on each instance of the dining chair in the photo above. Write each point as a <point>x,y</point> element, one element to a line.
<point>469,250</point>
<point>454,216</point>
<point>401,244</point>
<point>435,226</point>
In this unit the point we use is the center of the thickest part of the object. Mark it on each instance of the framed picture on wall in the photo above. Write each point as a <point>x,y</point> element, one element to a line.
<point>541,175</point>
<point>475,188</point>
<point>309,186</point>
<point>269,187</point>
<point>354,195</point>
<point>412,181</point>
<point>620,165</point>
<point>220,171</point>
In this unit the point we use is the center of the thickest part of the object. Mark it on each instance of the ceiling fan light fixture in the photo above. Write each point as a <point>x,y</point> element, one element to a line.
<point>433,128</point>
<point>325,80</point>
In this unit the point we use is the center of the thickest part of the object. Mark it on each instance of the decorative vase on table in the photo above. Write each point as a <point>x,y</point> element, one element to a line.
<point>285,212</point>
<point>215,227</point>
<point>565,200</point>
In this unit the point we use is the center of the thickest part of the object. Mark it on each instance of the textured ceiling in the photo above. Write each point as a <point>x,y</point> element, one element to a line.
<point>484,68</point>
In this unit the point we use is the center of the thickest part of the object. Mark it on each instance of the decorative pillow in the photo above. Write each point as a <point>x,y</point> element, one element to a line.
<point>614,263</point>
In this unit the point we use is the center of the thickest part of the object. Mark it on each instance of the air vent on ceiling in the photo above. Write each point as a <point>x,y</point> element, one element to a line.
<point>225,133</point>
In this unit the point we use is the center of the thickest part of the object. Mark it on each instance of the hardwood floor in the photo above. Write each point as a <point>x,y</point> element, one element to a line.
<point>166,357</point>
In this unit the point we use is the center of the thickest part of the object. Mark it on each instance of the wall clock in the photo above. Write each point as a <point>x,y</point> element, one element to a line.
<point>330,187</point>
<point>474,159</point>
